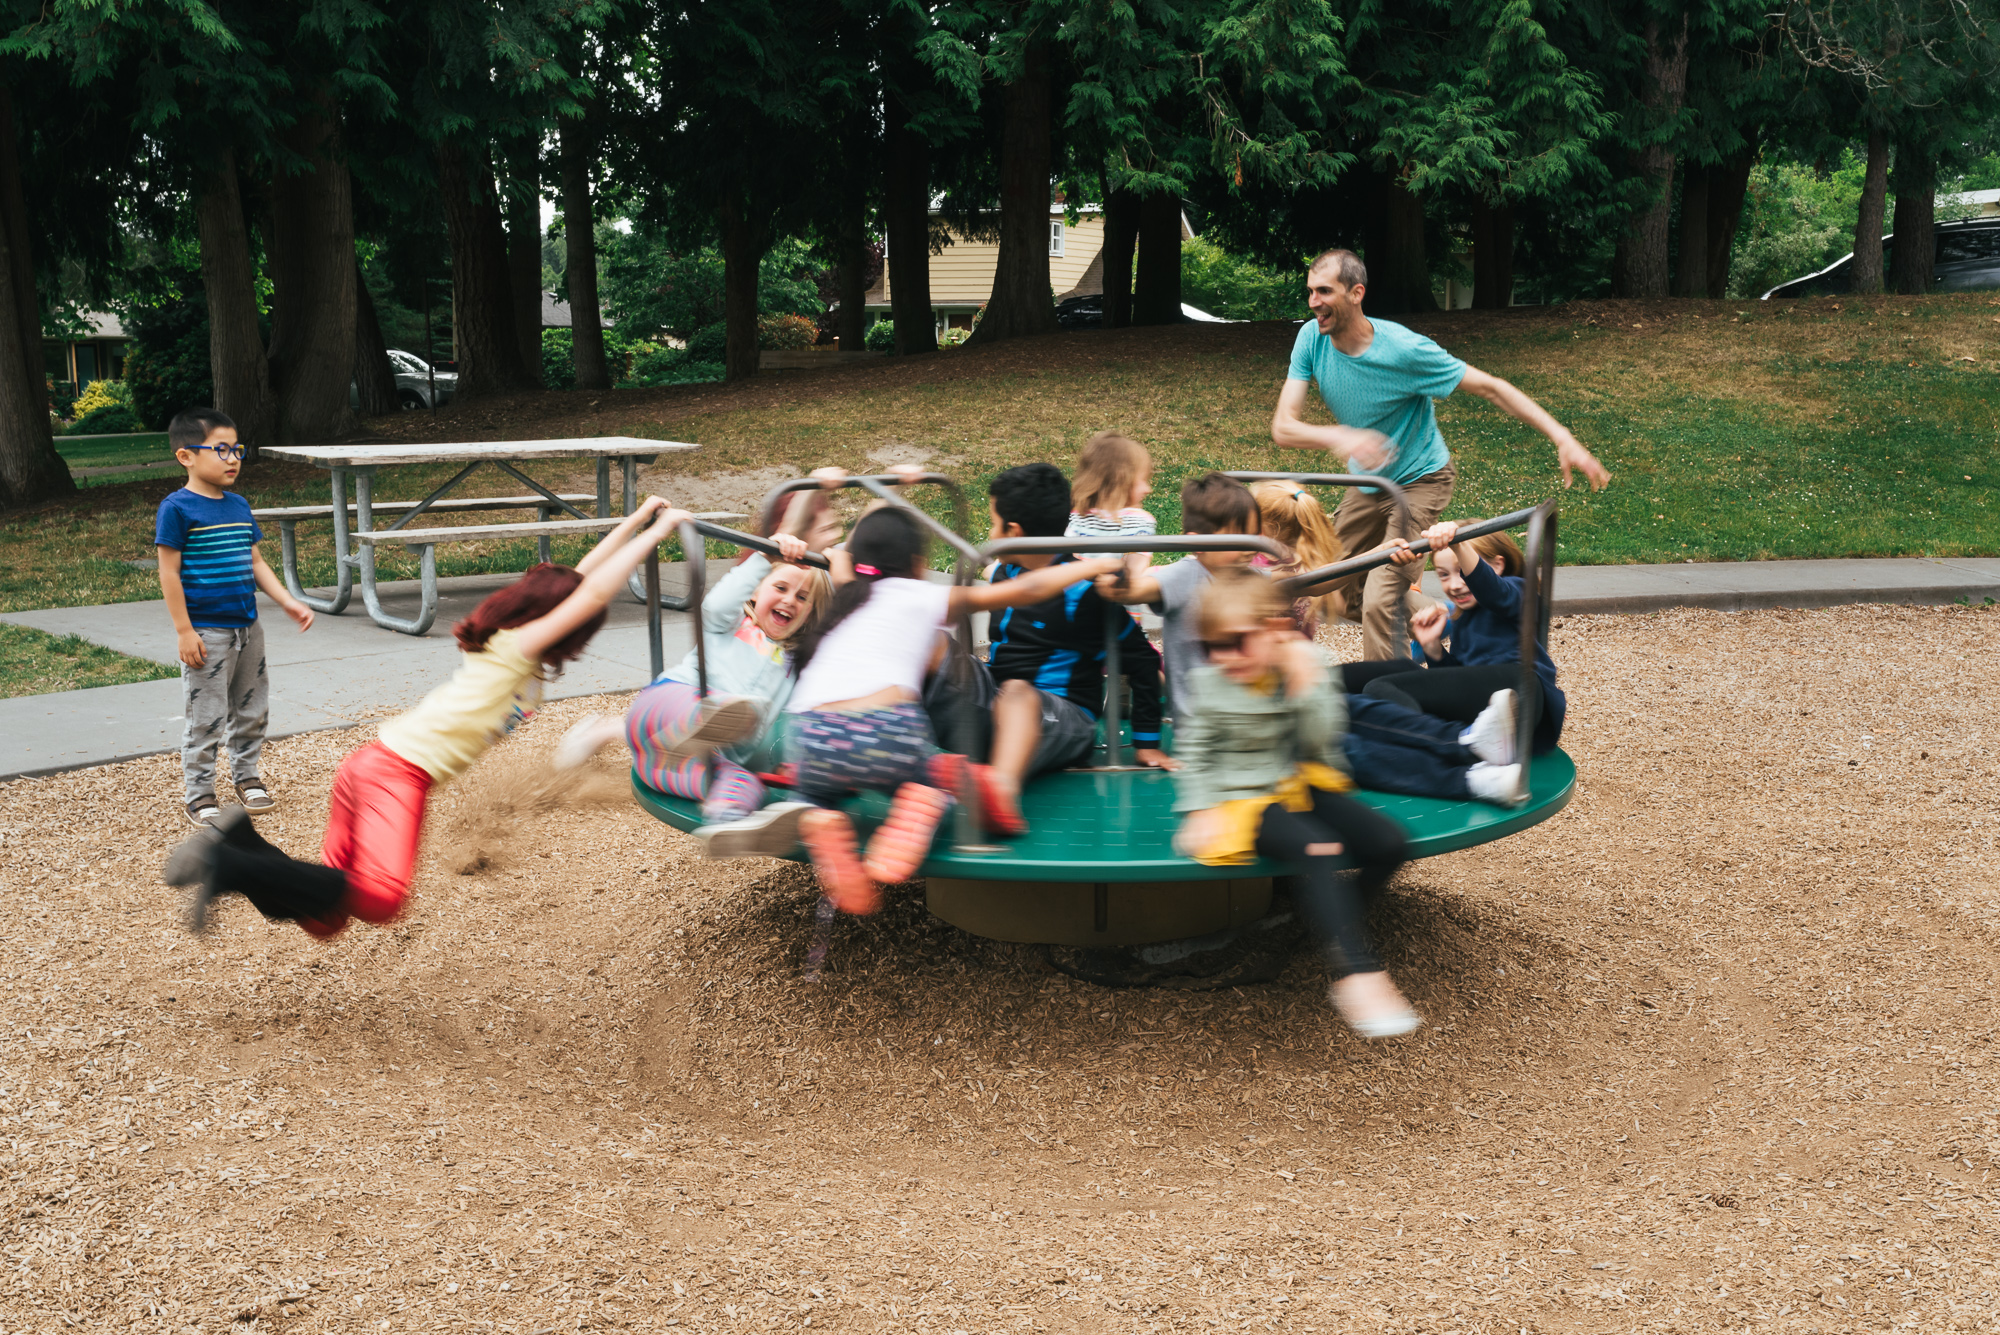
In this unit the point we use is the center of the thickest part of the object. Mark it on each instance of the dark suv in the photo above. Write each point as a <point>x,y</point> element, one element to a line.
<point>1968,260</point>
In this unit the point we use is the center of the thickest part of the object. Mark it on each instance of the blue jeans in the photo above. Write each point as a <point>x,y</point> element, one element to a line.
<point>1398,750</point>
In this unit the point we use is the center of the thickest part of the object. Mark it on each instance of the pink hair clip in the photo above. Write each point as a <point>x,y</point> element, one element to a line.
<point>866,570</point>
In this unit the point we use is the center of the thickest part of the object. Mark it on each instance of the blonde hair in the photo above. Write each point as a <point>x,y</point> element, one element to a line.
<point>1293,516</point>
<point>817,580</point>
<point>1236,594</point>
<point>1108,472</point>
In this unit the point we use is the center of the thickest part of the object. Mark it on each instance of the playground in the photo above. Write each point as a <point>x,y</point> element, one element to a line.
<point>1709,1049</point>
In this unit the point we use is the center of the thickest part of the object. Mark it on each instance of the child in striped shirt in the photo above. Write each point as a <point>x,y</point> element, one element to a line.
<point>210,571</point>
<point>1113,474</point>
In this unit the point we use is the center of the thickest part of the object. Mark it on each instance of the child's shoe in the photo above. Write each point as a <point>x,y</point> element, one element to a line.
<point>255,797</point>
<point>769,833</point>
<point>1498,784</point>
<point>1491,736</point>
<point>725,720</point>
<point>203,810</point>
<point>998,812</point>
<point>1372,1006</point>
<point>899,847</point>
<point>586,738</point>
<point>829,839</point>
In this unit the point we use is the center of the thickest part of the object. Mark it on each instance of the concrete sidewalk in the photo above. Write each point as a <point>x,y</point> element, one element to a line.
<point>347,668</point>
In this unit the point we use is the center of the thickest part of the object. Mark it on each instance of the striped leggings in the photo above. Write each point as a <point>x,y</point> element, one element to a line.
<point>660,715</point>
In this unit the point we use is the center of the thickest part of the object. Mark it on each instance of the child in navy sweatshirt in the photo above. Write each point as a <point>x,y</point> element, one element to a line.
<point>1482,581</point>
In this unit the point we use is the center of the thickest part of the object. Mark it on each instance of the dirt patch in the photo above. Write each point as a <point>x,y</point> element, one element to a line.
<point>1711,1050</point>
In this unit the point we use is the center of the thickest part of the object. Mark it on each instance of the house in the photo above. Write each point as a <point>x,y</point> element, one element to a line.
<point>1984,203</point>
<point>98,354</point>
<point>962,274</point>
<point>556,312</point>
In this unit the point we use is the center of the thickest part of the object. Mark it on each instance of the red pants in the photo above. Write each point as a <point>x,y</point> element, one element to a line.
<point>372,831</point>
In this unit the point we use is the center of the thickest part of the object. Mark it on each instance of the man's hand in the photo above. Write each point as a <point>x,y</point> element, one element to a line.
<point>300,613</point>
<point>192,651</point>
<point>790,546</point>
<point>1571,455</point>
<point>1153,758</point>
<point>1369,451</point>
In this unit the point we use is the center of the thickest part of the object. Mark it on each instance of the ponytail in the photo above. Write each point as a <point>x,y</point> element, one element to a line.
<point>886,544</point>
<point>1293,516</point>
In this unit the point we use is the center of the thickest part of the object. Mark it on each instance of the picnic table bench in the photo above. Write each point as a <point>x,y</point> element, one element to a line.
<point>354,550</point>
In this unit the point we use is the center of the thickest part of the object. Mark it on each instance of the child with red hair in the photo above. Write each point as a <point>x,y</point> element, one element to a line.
<point>510,642</point>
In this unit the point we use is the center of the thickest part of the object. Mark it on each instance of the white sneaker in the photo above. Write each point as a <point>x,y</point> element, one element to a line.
<point>586,738</point>
<point>1498,784</point>
<point>1491,736</point>
<point>1390,1020</point>
<point>769,833</point>
<point>725,720</point>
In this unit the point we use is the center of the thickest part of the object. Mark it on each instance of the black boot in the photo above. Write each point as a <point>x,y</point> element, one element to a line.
<point>283,889</point>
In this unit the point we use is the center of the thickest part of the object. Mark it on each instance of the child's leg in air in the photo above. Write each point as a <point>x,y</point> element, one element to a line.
<point>886,750</point>
<point>1464,694</point>
<point>656,727</point>
<point>1336,907</point>
<point>373,827</point>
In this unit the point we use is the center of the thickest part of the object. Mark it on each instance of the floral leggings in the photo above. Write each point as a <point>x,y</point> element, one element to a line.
<point>845,751</point>
<point>660,715</point>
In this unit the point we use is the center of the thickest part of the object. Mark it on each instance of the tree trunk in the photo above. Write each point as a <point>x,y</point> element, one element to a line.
<point>1399,272</point>
<point>1691,261</point>
<point>1865,272</point>
<point>1020,304</point>
<point>1728,186</point>
<point>851,323</point>
<point>1639,264</point>
<point>30,468</point>
<point>1156,287</point>
<point>586,320</point>
<point>1121,241</point>
<point>1913,254</point>
<point>743,247</point>
<point>374,379</point>
<point>236,355</point>
<point>482,301</point>
<point>906,220</point>
<point>312,280</point>
<point>524,258</point>
<point>1492,255</point>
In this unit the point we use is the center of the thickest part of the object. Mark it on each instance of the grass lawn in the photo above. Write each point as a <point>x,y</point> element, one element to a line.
<point>34,662</point>
<point>1733,431</point>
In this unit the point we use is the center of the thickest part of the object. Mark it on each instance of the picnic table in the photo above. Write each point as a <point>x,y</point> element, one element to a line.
<point>354,550</point>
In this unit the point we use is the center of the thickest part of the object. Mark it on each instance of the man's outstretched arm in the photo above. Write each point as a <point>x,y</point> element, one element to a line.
<point>1570,453</point>
<point>1290,430</point>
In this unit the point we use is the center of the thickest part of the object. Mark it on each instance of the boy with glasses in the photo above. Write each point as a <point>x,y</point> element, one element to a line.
<point>210,571</point>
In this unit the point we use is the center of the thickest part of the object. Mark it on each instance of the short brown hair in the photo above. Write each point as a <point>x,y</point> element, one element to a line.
<point>1348,267</point>
<point>1499,547</point>
<point>1237,594</point>
<point>537,593</point>
<point>1213,503</point>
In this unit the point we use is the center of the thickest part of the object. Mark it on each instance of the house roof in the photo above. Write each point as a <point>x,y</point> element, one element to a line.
<point>556,311</point>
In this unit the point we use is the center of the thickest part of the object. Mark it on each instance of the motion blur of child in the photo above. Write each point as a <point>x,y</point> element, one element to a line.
<point>1482,581</point>
<point>1114,474</point>
<point>1258,732</point>
<point>1292,515</point>
<point>1047,657</point>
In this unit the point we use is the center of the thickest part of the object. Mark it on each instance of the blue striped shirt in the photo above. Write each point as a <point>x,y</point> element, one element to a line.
<point>215,538</point>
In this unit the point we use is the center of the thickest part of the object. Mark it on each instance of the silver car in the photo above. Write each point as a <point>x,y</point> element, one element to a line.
<point>413,380</point>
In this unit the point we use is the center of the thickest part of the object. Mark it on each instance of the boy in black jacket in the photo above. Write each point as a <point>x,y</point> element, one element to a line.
<point>1047,659</point>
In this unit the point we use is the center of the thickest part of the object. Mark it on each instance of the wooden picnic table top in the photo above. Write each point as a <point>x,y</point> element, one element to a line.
<point>328,456</point>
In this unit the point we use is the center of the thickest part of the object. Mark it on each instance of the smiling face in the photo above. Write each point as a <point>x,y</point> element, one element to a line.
<point>1451,578</point>
<point>1334,305</point>
<point>782,601</point>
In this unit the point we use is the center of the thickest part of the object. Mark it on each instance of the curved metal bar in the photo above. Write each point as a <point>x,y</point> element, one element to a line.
<point>343,562</point>
<point>364,502</point>
<point>1114,747</point>
<point>1538,578</point>
<point>757,544</point>
<point>696,552</point>
<point>1396,494</point>
<point>1294,583</point>
<point>767,512</point>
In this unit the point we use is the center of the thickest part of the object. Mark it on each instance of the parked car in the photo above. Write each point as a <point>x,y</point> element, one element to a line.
<point>1967,259</point>
<point>413,380</point>
<point>1088,313</point>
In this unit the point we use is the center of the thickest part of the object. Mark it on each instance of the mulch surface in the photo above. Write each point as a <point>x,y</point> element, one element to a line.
<point>1712,1049</point>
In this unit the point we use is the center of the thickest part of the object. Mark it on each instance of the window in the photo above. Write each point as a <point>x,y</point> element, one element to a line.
<point>1055,238</point>
<point>1971,244</point>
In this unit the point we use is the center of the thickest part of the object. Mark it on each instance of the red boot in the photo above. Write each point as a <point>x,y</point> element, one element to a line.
<point>829,838</point>
<point>998,813</point>
<point>899,847</point>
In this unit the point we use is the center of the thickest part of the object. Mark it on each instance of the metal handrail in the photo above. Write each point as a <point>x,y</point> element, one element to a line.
<point>1396,494</point>
<point>1538,579</point>
<point>1114,749</point>
<point>690,533</point>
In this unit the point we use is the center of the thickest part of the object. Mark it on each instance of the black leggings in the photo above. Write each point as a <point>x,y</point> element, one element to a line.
<point>1456,693</point>
<point>280,887</point>
<point>1335,907</point>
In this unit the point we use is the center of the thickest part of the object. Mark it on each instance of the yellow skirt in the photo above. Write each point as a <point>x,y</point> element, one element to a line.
<point>1236,845</point>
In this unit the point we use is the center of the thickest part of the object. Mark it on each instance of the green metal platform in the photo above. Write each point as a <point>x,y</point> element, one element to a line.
<point>1097,867</point>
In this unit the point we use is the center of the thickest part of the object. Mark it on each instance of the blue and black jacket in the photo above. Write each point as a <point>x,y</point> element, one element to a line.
<point>1058,646</point>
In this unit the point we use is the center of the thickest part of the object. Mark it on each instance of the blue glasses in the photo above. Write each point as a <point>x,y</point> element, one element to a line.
<point>229,454</point>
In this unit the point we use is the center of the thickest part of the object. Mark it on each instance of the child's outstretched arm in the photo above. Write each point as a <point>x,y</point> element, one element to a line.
<point>618,537</point>
<point>1143,587</point>
<point>605,576</point>
<point>1032,586</point>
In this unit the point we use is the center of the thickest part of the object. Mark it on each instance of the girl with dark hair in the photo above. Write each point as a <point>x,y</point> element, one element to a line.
<point>511,641</point>
<point>860,722</point>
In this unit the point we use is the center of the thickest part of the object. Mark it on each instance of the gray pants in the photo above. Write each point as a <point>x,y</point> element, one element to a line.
<point>226,700</point>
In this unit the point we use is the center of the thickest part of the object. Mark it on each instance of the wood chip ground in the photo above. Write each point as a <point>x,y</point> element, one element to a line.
<point>1712,1050</point>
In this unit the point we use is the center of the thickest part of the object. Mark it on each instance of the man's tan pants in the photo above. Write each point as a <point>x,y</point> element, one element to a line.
<point>1364,522</point>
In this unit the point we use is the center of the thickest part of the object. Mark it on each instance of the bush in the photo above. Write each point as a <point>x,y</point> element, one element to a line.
<point>558,361</point>
<point>168,367</point>
<point>708,344</point>
<point>109,419</point>
<point>62,396</point>
<point>654,363</point>
<point>102,394</point>
<point>881,337</point>
<point>786,333</point>
<point>951,338</point>
<point>1236,288</point>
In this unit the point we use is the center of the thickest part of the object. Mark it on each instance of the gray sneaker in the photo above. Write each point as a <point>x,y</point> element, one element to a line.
<point>725,720</point>
<point>769,833</point>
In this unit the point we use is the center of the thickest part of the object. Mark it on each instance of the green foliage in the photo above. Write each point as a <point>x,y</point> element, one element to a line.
<point>786,333</point>
<point>1236,288</point>
<point>652,286</point>
<point>1795,221</point>
<point>167,369</point>
<point>708,343</point>
<point>881,337</point>
<point>558,362</point>
<point>102,394</point>
<point>951,338</point>
<point>103,420</point>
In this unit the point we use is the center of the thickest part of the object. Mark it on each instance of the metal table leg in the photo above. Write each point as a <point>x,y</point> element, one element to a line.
<point>603,487</point>
<point>364,518</point>
<point>343,570</point>
<point>628,468</point>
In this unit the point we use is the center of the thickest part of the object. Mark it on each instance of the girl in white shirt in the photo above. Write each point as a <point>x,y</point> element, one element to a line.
<point>860,724</point>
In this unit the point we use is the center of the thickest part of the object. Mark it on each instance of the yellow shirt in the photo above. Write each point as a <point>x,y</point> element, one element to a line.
<point>491,692</point>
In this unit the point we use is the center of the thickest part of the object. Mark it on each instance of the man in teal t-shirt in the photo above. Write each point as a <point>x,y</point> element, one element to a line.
<point>1378,380</point>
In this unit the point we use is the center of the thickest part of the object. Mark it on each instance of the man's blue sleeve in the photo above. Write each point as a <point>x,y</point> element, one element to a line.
<point>1434,373</point>
<point>1302,352</point>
